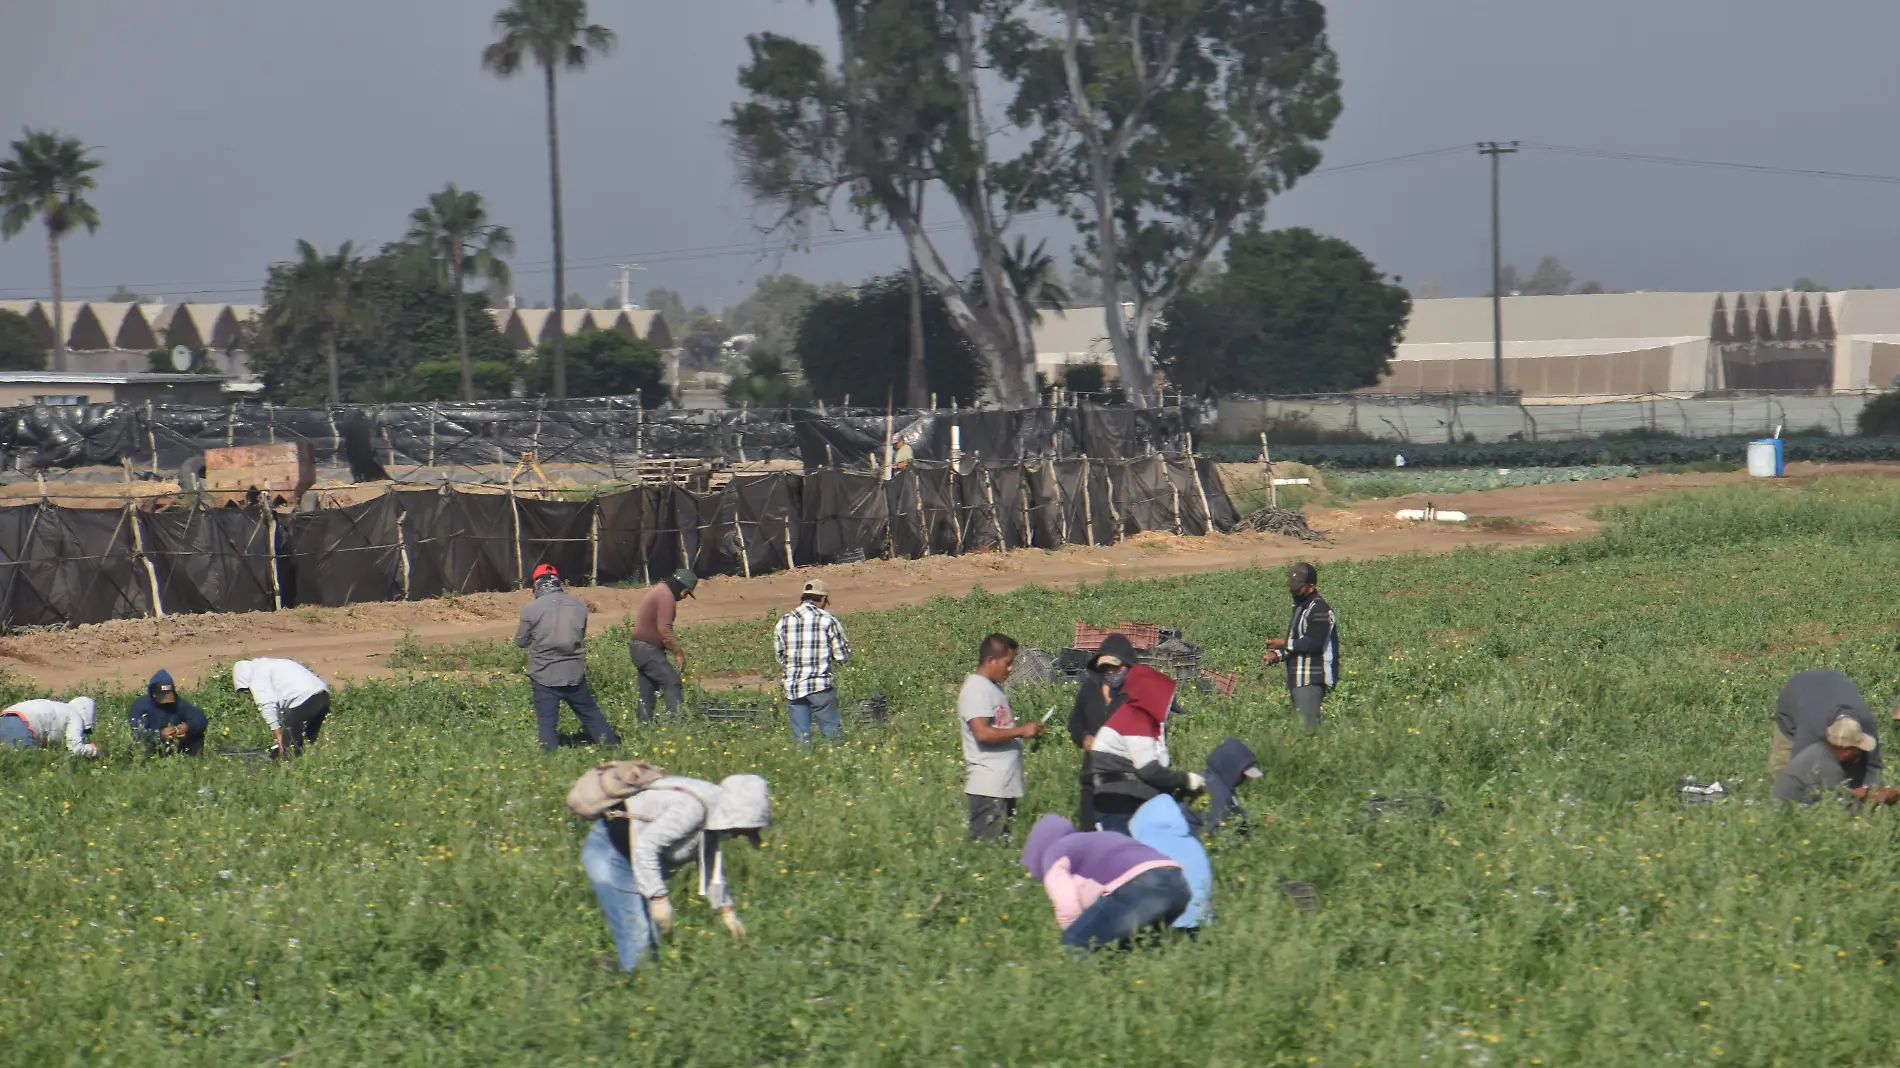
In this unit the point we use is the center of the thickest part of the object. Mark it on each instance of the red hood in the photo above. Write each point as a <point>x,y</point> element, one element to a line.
<point>1150,694</point>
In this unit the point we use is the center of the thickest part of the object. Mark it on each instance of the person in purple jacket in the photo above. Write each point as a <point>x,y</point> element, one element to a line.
<point>1105,887</point>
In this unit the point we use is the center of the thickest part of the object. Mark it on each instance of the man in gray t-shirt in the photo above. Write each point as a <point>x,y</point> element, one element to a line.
<point>992,740</point>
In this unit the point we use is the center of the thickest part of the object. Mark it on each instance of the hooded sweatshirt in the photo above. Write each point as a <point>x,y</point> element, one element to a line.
<point>1129,763</point>
<point>1811,701</point>
<point>276,685</point>
<point>554,629</point>
<point>147,716</point>
<point>59,719</point>
<point>1094,700</point>
<point>1079,868</point>
<point>1159,825</point>
<point>679,820</point>
<point>1226,769</point>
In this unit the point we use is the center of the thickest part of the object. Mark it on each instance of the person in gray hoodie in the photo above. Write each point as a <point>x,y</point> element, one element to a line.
<point>1809,703</point>
<point>554,631</point>
<point>632,849</point>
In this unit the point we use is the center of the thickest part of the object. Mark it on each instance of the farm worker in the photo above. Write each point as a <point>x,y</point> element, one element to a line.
<point>1096,698</point>
<point>992,741</point>
<point>1310,649</point>
<point>675,822</point>
<point>35,724</point>
<point>1160,825</point>
<point>1823,768</point>
<point>290,697</point>
<point>653,638</point>
<point>554,632</point>
<point>1129,760</point>
<point>807,642</point>
<point>1105,887</point>
<point>1808,705</point>
<point>163,720</point>
<point>1229,766</point>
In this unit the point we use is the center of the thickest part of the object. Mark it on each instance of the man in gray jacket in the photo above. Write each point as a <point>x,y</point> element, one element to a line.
<point>554,631</point>
<point>1809,704</point>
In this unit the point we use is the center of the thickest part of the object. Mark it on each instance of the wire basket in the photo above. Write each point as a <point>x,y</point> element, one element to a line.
<point>849,556</point>
<point>728,711</point>
<point>874,711</point>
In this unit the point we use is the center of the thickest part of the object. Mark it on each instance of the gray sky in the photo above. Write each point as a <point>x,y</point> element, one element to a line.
<point>231,128</point>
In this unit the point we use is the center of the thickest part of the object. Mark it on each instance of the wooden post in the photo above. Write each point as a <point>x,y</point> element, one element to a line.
<point>917,495</point>
<point>1062,512</point>
<point>989,494</point>
<point>270,415</point>
<point>789,561</point>
<point>336,439</point>
<point>1194,468</point>
<point>745,561</point>
<point>435,414</point>
<point>138,550</point>
<point>1114,513</point>
<point>956,492</point>
<point>1088,514</point>
<point>402,552</point>
<point>1266,467</point>
<point>639,433</point>
<point>514,510</point>
<point>1174,499</point>
<point>270,532</point>
<point>230,426</point>
<point>1022,486</point>
<point>593,545</point>
<point>151,436</point>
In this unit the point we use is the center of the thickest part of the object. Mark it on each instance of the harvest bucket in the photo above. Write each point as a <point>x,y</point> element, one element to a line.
<point>1765,459</point>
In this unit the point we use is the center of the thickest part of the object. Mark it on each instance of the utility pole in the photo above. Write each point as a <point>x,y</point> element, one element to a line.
<point>626,283</point>
<point>1496,151</point>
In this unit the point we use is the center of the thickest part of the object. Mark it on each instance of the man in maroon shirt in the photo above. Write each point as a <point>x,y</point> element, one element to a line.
<point>653,638</point>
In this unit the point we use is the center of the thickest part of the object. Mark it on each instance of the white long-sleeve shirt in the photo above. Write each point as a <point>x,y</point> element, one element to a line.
<point>667,824</point>
<point>49,719</point>
<point>276,685</point>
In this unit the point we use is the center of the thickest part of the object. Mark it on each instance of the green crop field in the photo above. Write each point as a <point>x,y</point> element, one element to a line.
<point>410,894</point>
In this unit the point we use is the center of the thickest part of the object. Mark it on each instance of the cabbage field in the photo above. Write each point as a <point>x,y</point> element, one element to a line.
<point>1402,481</point>
<point>410,894</point>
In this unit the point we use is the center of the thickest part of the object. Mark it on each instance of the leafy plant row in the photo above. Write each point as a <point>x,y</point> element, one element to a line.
<point>1562,453</point>
<point>1397,482</point>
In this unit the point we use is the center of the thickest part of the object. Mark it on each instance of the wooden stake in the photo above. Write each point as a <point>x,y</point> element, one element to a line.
<point>138,550</point>
<point>593,545</point>
<point>270,532</point>
<point>402,552</point>
<point>514,510</point>
<point>1088,514</point>
<point>1194,468</point>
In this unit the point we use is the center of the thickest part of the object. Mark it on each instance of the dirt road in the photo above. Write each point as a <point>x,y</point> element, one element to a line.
<point>355,641</point>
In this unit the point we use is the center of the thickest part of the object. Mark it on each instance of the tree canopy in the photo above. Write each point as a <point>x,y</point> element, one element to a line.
<point>1294,312</point>
<point>46,180</point>
<point>602,363</point>
<point>773,309</point>
<point>20,350</point>
<point>857,344</point>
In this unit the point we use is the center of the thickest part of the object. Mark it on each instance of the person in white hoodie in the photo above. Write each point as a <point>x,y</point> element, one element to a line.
<point>35,724</point>
<point>290,697</point>
<point>630,851</point>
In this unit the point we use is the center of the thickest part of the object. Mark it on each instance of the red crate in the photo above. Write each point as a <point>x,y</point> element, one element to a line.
<point>1140,635</point>
<point>1223,683</point>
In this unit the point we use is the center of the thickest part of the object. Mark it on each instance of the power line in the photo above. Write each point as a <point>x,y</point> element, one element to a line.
<point>1726,165</point>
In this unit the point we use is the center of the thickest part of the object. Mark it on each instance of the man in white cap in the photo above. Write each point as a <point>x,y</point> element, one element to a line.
<point>1823,768</point>
<point>35,724</point>
<point>808,641</point>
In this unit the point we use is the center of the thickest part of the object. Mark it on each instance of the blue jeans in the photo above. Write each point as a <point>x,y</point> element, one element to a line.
<point>626,910</point>
<point>15,735</point>
<point>822,706</point>
<point>1152,899</point>
<point>580,697</point>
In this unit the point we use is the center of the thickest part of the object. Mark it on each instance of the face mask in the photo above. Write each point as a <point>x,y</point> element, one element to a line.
<point>1114,678</point>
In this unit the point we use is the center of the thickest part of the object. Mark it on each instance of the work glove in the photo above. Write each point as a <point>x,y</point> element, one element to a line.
<point>1196,781</point>
<point>731,920</point>
<point>660,910</point>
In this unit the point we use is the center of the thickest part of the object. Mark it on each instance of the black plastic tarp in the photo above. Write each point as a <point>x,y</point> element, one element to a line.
<point>767,508</point>
<point>211,559</point>
<point>844,512</point>
<point>457,542</point>
<point>976,509</point>
<point>346,555</point>
<point>68,565</point>
<point>558,533</point>
<point>937,488</point>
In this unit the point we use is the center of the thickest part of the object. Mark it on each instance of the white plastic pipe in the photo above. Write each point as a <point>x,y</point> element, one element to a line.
<point>1433,514</point>
<point>1292,481</point>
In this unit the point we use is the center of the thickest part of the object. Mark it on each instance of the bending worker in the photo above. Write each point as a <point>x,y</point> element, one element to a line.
<point>808,641</point>
<point>653,638</point>
<point>1096,698</point>
<point>1809,704</point>
<point>1128,762</point>
<point>1827,767</point>
<point>554,631</point>
<point>163,720</point>
<point>677,821</point>
<point>292,699</point>
<point>34,724</point>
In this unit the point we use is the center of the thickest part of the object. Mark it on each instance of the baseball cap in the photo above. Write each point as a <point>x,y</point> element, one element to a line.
<point>167,686</point>
<point>1845,732</point>
<point>1301,575</point>
<point>817,587</point>
<point>687,580</point>
<point>542,571</point>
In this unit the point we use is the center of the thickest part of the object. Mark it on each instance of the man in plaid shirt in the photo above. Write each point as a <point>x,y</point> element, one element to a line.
<point>1311,647</point>
<point>808,641</point>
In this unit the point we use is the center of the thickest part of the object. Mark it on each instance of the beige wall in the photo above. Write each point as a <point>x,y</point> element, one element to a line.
<point>1621,373</point>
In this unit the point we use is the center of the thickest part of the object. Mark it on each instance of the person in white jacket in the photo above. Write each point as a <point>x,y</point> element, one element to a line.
<point>630,851</point>
<point>292,699</point>
<point>35,724</point>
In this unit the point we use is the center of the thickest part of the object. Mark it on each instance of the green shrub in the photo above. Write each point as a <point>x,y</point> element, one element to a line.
<point>1881,417</point>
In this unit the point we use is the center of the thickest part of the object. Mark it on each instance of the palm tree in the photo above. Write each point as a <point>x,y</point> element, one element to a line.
<point>554,34</point>
<point>1032,273</point>
<point>453,234</point>
<point>327,291</point>
<point>48,177</point>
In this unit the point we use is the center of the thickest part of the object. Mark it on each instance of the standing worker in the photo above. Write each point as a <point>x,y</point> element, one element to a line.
<point>1808,705</point>
<point>1310,648</point>
<point>807,642</point>
<point>653,638</point>
<point>992,741</point>
<point>1096,699</point>
<point>292,699</point>
<point>163,720</point>
<point>554,631</point>
<point>34,724</point>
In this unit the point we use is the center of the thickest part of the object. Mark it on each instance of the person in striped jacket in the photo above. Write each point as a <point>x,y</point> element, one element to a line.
<point>1310,649</point>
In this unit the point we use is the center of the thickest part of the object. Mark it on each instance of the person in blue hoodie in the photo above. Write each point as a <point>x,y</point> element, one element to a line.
<point>1160,825</point>
<point>163,720</point>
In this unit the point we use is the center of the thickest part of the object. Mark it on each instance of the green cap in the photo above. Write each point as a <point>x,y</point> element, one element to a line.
<point>687,580</point>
